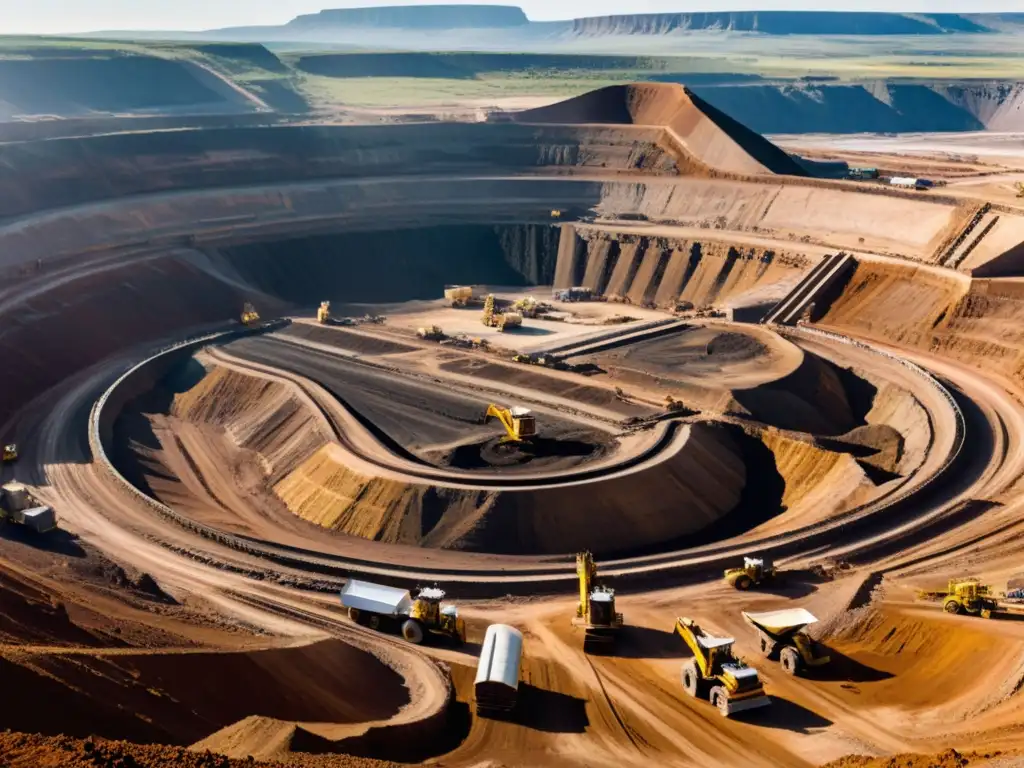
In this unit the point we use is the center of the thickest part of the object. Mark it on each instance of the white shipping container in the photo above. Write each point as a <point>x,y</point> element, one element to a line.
<point>375,598</point>
<point>497,674</point>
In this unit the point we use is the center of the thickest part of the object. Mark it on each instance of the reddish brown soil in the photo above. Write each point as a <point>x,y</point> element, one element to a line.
<point>948,759</point>
<point>19,750</point>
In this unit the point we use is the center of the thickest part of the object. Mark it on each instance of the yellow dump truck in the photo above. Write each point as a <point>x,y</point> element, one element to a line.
<point>387,609</point>
<point>968,596</point>
<point>716,674</point>
<point>459,295</point>
<point>782,636</point>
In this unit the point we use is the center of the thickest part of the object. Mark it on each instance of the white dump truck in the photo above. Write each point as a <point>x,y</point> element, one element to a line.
<point>497,674</point>
<point>18,506</point>
<point>391,609</point>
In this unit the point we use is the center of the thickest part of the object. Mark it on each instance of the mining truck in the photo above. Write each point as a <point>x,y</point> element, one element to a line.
<point>965,596</point>
<point>754,573</point>
<point>459,295</point>
<point>18,506</point>
<point>782,637</point>
<point>390,609</point>
<point>596,609</point>
<point>716,674</point>
<point>249,314</point>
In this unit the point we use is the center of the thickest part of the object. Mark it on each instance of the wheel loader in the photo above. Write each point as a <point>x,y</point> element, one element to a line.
<point>387,609</point>
<point>965,596</point>
<point>716,674</point>
<point>782,637</point>
<point>596,609</point>
<point>754,573</point>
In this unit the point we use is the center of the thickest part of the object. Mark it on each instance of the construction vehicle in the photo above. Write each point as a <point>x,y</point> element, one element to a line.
<point>578,293</point>
<point>673,405</point>
<point>431,333</point>
<point>18,506</point>
<point>323,315</point>
<point>526,306</point>
<point>249,314</point>
<point>716,674</point>
<point>1019,187</point>
<point>518,422</point>
<point>754,573</point>
<point>556,213</point>
<point>782,637</point>
<point>390,609</point>
<point>459,295</point>
<point>965,596</point>
<point>500,320</point>
<point>10,453</point>
<point>596,609</point>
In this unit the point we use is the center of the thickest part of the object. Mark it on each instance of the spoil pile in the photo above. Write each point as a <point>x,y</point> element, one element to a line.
<point>704,133</point>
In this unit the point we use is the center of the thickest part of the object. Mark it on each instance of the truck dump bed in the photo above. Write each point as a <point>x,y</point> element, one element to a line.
<point>783,622</point>
<point>39,519</point>
<point>375,598</point>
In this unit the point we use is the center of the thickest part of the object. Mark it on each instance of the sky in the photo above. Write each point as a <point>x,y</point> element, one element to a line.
<point>55,16</point>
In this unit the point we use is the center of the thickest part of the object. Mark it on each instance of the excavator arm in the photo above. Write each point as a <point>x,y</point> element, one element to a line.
<point>504,415</point>
<point>687,630</point>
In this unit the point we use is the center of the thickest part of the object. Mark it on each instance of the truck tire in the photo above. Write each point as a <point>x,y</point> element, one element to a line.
<point>719,698</point>
<point>790,659</point>
<point>767,647</point>
<point>691,678</point>
<point>952,607</point>
<point>743,582</point>
<point>412,631</point>
<point>355,616</point>
<point>373,622</point>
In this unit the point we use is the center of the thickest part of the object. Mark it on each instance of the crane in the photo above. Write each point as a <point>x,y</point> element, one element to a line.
<point>518,422</point>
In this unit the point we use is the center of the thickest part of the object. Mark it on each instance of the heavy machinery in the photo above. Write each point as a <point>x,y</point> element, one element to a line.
<point>19,507</point>
<point>1019,186</point>
<point>501,320</point>
<point>577,293</point>
<point>716,674</point>
<point>526,306</point>
<point>390,609</point>
<point>556,213</point>
<point>754,573</point>
<point>518,422</point>
<point>430,333</point>
<point>323,315</point>
<point>596,609</point>
<point>249,314</point>
<point>965,596</point>
<point>782,636</point>
<point>459,295</point>
<point>10,453</point>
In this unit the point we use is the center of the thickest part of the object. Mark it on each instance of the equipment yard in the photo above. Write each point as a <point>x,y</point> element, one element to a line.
<point>728,457</point>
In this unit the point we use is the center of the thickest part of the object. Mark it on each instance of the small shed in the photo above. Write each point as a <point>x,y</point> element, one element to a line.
<point>497,674</point>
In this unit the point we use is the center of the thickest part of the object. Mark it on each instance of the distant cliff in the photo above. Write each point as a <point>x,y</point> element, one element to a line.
<point>416,17</point>
<point>783,23</point>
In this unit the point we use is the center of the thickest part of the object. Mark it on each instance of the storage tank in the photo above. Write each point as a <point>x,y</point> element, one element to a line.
<point>497,674</point>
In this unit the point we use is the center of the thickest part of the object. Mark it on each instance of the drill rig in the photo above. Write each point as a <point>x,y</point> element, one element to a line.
<point>596,609</point>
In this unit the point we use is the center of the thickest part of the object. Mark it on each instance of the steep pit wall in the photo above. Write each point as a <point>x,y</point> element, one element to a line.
<point>62,172</point>
<point>665,271</point>
<point>180,698</point>
<point>900,225</point>
<point>686,492</point>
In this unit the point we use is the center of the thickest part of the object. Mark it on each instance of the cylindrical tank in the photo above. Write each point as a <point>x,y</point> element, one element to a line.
<point>497,674</point>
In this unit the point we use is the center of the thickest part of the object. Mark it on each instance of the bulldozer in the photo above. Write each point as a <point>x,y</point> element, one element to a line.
<point>518,422</point>
<point>782,636</point>
<point>716,674</point>
<point>430,333</point>
<point>754,573</point>
<point>249,314</point>
<point>10,453</point>
<point>965,596</point>
<point>596,609</point>
<point>323,315</point>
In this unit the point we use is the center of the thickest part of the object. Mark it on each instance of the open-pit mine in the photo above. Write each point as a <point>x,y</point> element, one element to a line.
<point>585,355</point>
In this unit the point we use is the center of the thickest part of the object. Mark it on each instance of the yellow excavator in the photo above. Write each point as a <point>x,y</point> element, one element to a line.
<point>249,314</point>
<point>519,423</point>
<point>716,674</point>
<point>596,609</point>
